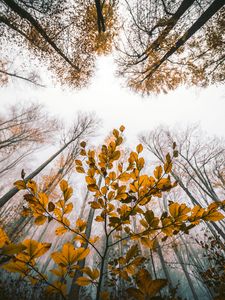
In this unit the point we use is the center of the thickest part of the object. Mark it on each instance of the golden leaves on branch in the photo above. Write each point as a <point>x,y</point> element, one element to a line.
<point>125,192</point>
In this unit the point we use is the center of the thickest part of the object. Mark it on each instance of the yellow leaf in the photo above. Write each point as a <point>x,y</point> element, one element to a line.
<point>124,177</point>
<point>78,162</point>
<point>15,266</point>
<point>122,128</point>
<point>133,157</point>
<point>60,272</point>
<point>90,180</point>
<point>116,155</point>
<point>111,195</point>
<point>104,190</point>
<point>81,253</point>
<point>94,239</point>
<point>92,187</point>
<point>40,220</point>
<point>168,167</point>
<point>81,224</point>
<point>60,230</point>
<point>95,205</point>
<point>35,249</point>
<point>56,287</point>
<point>32,185</point>
<point>63,185</point>
<point>68,193</point>
<point>122,196</point>
<point>80,169</point>
<point>175,153</point>
<point>112,175</point>
<point>12,249</point>
<point>139,148</point>
<point>83,152</point>
<point>115,133</point>
<point>43,199</point>
<point>158,172</point>
<point>68,208</point>
<point>214,216</point>
<point>148,243</point>
<point>65,256</point>
<point>20,184</point>
<point>83,281</point>
<point>93,274</point>
<point>196,214</point>
<point>42,249</point>
<point>174,209</point>
<point>135,293</point>
<point>31,247</point>
<point>4,240</point>
<point>119,141</point>
<point>133,251</point>
<point>167,227</point>
<point>133,188</point>
<point>59,259</point>
<point>99,219</point>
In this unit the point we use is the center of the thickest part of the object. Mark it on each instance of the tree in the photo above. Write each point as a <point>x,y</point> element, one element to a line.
<point>126,192</point>
<point>84,126</point>
<point>65,36</point>
<point>6,75</point>
<point>167,45</point>
<point>195,166</point>
<point>21,134</point>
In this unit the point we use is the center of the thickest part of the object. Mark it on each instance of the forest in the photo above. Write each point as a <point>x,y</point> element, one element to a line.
<point>112,170</point>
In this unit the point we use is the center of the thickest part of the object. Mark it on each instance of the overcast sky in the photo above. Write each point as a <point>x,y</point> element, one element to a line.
<point>116,105</point>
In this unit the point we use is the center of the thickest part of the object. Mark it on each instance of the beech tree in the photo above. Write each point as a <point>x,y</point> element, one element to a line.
<point>22,133</point>
<point>166,44</point>
<point>65,36</point>
<point>7,73</point>
<point>126,192</point>
<point>195,165</point>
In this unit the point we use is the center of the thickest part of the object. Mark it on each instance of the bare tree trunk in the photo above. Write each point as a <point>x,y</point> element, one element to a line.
<point>164,266</point>
<point>21,77</point>
<point>14,190</point>
<point>100,18</point>
<point>201,21</point>
<point>75,288</point>
<point>25,15</point>
<point>196,262</point>
<point>184,268</point>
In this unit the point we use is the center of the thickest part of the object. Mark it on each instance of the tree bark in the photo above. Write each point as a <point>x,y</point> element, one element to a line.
<point>181,262</point>
<point>14,190</point>
<point>201,21</point>
<point>75,288</point>
<point>25,15</point>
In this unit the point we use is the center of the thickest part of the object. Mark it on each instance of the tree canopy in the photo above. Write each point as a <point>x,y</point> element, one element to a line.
<point>159,45</point>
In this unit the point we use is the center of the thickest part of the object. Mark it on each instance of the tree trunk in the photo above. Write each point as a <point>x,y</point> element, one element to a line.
<point>25,15</point>
<point>201,21</point>
<point>14,190</point>
<point>75,288</point>
<point>184,268</point>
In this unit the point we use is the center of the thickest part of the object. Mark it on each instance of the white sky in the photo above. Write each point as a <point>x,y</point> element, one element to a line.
<point>116,105</point>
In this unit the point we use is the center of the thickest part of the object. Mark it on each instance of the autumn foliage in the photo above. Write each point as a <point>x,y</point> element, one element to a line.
<point>122,191</point>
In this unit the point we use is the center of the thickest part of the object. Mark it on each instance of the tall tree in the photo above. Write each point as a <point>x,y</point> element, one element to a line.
<point>65,36</point>
<point>169,45</point>
<point>193,168</point>
<point>22,132</point>
<point>84,125</point>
